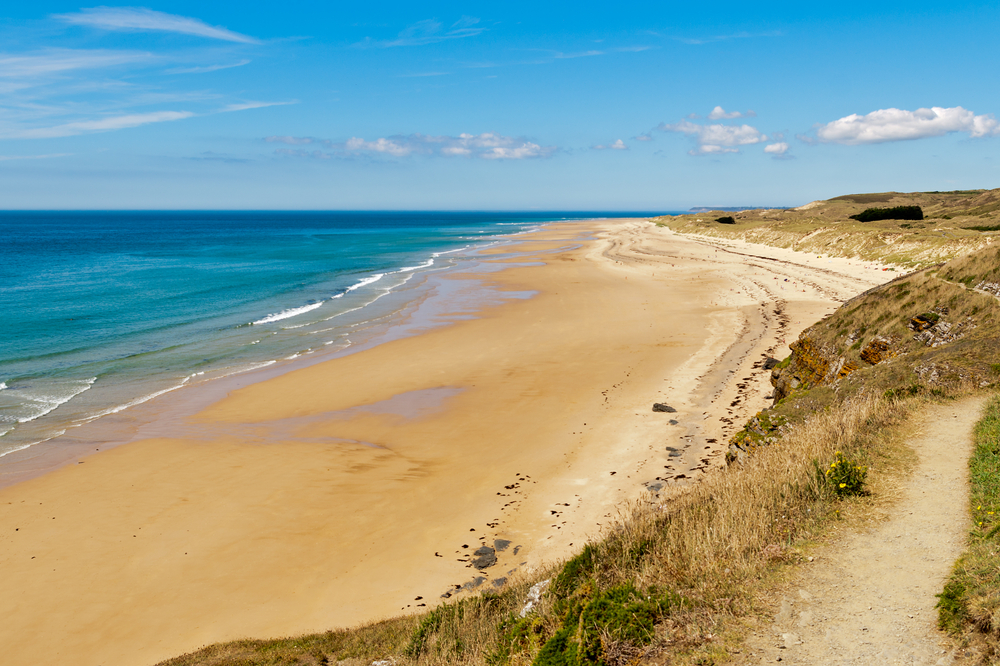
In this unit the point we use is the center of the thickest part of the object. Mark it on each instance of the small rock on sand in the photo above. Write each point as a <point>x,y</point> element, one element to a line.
<point>660,407</point>
<point>501,544</point>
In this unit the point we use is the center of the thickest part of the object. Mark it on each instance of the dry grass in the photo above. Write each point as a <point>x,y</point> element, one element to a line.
<point>700,565</point>
<point>825,227</point>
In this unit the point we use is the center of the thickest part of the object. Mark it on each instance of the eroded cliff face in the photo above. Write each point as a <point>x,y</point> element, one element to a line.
<point>930,331</point>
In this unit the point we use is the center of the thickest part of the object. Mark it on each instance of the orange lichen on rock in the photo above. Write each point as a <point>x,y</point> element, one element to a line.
<point>878,350</point>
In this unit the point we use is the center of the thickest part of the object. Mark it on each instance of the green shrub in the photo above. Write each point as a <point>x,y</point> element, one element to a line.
<point>726,219</point>
<point>846,477</point>
<point>895,213</point>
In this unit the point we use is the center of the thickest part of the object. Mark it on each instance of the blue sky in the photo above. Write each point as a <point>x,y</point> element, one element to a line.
<point>512,106</point>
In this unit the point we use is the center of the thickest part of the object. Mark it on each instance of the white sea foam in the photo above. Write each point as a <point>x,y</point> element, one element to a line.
<point>438,254</point>
<point>3,385</point>
<point>292,357</point>
<point>137,401</point>
<point>361,283</point>
<point>24,446</point>
<point>40,404</point>
<point>407,269</point>
<point>285,314</point>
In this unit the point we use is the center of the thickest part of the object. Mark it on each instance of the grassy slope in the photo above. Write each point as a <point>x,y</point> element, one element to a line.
<point>825,226</point>
<point>970,602</point>
<point>678,582</point>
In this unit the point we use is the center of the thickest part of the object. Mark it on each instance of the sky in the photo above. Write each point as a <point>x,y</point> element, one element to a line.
<point>492,106</point>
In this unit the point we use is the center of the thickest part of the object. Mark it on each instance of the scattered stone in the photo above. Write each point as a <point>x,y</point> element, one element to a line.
<point>660,407</point>
<point>654,486</point>
<point>516,548</point>
<point>486,557</point>
<point>474,583</point>
<point>499,582</point>
<point>534,596</point>
<point>501,545</point>
<point>769,363</point>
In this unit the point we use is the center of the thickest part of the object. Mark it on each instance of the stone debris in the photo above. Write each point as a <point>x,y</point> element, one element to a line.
<point>486,557</point>
<point>660,407</point>
<point>534,596</point>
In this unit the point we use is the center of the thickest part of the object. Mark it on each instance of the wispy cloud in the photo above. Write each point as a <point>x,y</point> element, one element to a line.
<point>6,158</point>
<point>617,145</point>
<point>716,139</point>
<point>140,19</point>
<point>487,146</point>
<point>647,136</point>
<point>243,106</point>
<point>428,31</point>
<point>206,69</point>
<point>892,124</point>
<point>100,125</point>
<point>423,74</point>
<point>122,121</point>
<point>723,38</point>
<point>57,61</point>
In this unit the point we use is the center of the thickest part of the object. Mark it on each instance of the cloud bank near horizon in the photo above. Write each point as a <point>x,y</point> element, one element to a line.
<point>487,146</point>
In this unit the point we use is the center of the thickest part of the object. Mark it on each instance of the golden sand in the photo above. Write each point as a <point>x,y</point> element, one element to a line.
<point>341,492</point>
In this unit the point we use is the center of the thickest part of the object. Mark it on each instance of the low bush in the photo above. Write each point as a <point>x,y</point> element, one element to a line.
<point>895,213</point>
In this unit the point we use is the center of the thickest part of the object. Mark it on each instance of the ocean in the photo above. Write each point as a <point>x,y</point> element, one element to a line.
<point>105,310</point>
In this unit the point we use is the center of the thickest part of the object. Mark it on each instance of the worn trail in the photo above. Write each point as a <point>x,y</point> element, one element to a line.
<point>869,597</point>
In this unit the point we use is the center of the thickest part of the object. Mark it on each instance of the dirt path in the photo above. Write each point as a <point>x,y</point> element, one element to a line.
<point>869,597</point>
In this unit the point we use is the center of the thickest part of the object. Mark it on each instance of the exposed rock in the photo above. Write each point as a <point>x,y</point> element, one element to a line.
<point>769,363</point>
<point>878,350</point>
<point>501,544</point>
<point>534,596</point>
<point>486,557</point>
<point>660,407</point>
<point>499,582</point>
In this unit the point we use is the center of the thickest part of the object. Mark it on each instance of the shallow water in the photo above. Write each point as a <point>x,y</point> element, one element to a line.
<point>106,310</point>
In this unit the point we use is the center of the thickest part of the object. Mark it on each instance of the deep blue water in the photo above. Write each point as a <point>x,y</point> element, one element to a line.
<point>104,309</point>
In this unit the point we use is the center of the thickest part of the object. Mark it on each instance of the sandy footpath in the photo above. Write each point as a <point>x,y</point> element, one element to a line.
<point>357,488</point>
<point>868,598</point>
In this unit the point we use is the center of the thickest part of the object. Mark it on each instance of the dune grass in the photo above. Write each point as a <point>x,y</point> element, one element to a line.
<point>970,601</point>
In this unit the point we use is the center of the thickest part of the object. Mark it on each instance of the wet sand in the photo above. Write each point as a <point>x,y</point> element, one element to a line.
<point>340,492</point>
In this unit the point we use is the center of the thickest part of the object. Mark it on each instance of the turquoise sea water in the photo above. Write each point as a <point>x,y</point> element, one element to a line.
<point>104,310</point>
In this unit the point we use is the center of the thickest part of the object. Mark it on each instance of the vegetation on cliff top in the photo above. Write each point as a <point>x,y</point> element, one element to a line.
<point>954,223</point>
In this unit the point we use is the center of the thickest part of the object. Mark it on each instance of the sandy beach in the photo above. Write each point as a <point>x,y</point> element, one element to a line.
<point>357,488</point>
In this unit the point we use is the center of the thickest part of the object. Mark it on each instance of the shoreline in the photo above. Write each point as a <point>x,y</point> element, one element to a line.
<point>119,425</point>
<point>339,492</point>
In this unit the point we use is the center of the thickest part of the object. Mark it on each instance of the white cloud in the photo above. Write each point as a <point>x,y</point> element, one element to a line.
<point>101,125</point>
<point>644,137</point>
<point>429,31</point>
<point>243,106</point>
<point>133,19</point>
<point>617,145</point>
<point>900,125</point>
<point>55,61</point>
<point>204,70</point>
<point>779,148</point>
<point>125,121</point>
<point>718,113</point>
<point>487,146</point>
<point>716,139</point>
